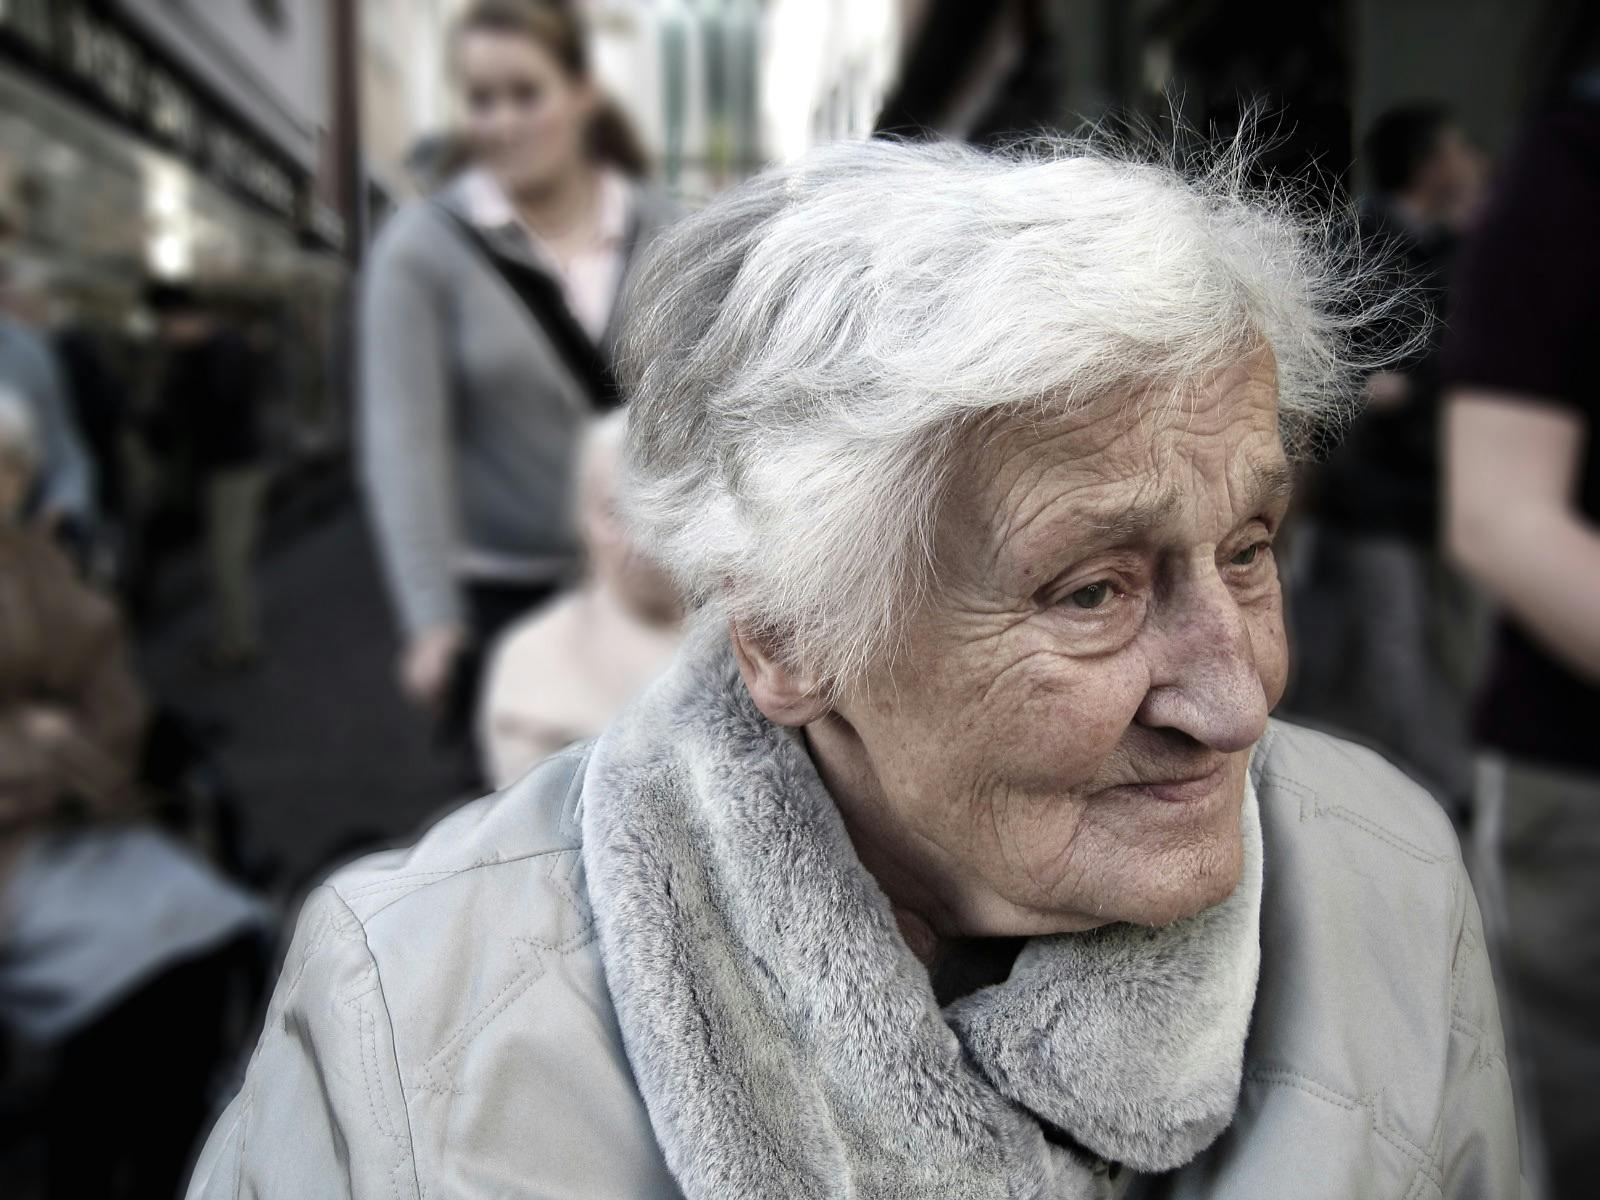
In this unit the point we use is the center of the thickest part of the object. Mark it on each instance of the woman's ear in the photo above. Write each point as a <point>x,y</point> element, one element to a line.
<point>784,696</point>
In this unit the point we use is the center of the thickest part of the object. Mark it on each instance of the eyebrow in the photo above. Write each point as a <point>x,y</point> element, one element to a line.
<point>1128,522</point>
<point>1131,523</point>
<point>1269,485</point>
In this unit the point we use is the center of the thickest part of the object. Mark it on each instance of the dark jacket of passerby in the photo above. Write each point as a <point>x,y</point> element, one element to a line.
<point>210,405</point>
<point>1383,480</point>
<point>100,404</point>
<point>1524,504</point>
<point>1526,322</point>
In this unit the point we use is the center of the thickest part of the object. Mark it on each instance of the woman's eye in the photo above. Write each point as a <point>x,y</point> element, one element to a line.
<point>1092,596</point>
<point>1248,555</point>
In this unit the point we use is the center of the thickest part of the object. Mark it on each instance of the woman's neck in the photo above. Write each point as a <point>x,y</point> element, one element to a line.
<point>564,208</point>
<point>923,919</point>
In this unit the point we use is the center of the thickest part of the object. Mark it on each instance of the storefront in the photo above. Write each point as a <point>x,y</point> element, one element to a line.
<point>116,168</point>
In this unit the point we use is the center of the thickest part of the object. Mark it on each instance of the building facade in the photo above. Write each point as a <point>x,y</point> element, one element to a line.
<point>188,141</point>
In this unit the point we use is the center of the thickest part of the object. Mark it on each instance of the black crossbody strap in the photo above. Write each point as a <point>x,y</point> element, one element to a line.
<point>541,296</point>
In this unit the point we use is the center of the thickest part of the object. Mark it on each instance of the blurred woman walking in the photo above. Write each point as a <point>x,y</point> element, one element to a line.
<point>488,318</point>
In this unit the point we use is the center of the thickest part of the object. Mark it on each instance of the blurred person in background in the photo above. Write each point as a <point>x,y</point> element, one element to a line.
<point>117,948</point>
<point>1523,497</point>
<point>64,499</point>
<point>208,418</point>
<point>561,673</point>
<point>1378,656</point>
<point>98,397</point>
<point>489,314</point>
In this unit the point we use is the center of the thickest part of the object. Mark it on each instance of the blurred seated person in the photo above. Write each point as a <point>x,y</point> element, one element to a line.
<point>1378,656</point>
<point>117,948</point>
<point>559,675</point>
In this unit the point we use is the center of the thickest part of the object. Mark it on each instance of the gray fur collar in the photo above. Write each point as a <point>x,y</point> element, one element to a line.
<point>787,1043</point>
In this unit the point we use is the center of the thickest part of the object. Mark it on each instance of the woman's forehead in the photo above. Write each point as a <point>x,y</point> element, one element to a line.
<point>1126,475</point>
<point>1123,442</point>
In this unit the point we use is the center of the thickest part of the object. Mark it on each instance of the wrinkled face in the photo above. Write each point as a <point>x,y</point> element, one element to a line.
<point>524,113</point>
<point>1065,742</point>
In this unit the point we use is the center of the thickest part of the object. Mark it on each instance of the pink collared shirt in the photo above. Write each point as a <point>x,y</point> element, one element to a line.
<point>590,277</point>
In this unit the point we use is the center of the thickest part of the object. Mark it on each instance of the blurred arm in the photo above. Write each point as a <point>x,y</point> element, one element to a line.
<point>84,740</point>
<point>108,710</point>
<point>406,444</point>
<point>29,787</point>
<point>1512,523</point>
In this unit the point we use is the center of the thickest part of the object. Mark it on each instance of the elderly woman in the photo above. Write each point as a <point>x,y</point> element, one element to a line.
<point>956,855</point>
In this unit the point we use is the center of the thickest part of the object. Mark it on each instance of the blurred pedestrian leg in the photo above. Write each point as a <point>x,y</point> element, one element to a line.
<point>210,407</point>
<point>1376,661</point>
<point>234,498</point>
<point>1536,838</point>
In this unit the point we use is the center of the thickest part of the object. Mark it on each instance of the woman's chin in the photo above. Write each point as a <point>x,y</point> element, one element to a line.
<point>1151,885</point>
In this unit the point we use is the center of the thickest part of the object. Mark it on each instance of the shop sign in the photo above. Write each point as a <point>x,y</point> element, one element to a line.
<point>98,58</point>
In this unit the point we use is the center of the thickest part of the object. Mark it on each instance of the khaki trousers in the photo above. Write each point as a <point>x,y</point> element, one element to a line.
<point>233,518</point>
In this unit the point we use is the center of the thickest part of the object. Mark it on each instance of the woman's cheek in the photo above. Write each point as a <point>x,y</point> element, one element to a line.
<point>1090,708</point>
<point>1269,644</point>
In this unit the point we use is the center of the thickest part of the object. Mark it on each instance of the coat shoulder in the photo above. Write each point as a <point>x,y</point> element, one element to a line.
<point>484,942</point>
<point>1325,778</point>
<point>535,817</point>
<point>443,1027</point>
<point>413,238</point>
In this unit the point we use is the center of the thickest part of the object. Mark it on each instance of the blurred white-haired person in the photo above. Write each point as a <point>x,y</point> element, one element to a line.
<point>956,854</point>
<point>560,674</point>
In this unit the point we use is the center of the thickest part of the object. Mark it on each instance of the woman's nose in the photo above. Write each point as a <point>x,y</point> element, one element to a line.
<point>1204,677</point>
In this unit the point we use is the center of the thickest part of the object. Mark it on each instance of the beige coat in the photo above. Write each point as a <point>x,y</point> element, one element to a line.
<point>561,674</point>
<point>61,649</point>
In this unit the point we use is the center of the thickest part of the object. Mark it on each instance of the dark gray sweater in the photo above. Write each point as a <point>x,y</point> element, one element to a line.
<point>469,421</point>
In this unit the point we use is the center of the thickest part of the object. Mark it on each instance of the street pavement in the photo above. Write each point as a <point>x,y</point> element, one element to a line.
<point>323,755</point>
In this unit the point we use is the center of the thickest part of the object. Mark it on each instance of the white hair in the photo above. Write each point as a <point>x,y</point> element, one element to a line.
<point>19,432</point>
<point>803,356</point>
